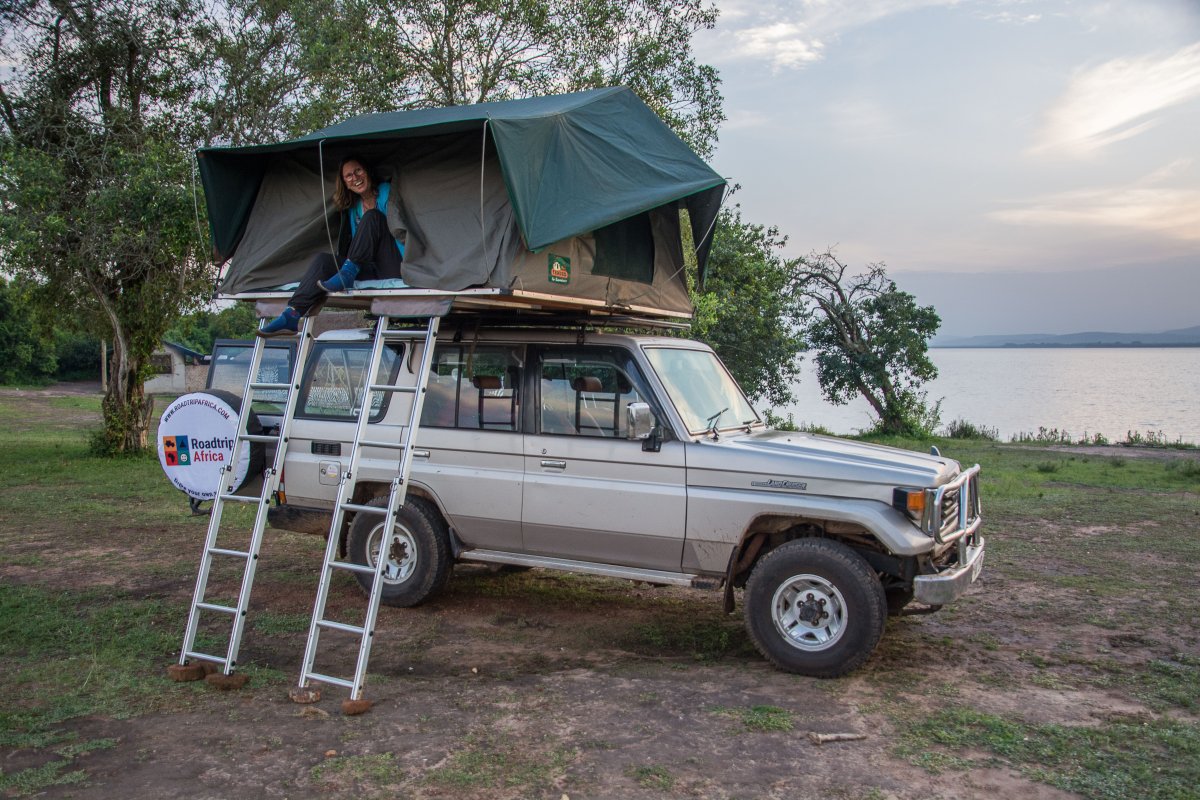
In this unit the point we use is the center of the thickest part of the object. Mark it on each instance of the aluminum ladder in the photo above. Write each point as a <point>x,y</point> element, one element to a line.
<point>396,497</point>
<point>225,494</point>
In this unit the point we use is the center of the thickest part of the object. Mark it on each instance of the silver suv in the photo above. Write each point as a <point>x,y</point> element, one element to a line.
<point>635,457</point>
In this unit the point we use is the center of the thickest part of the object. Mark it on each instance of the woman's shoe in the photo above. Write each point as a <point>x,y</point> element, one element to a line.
<point>286,324</point>
<point>343,281</point>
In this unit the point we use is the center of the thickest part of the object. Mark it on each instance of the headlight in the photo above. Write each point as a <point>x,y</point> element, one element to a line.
<point>915,503</point>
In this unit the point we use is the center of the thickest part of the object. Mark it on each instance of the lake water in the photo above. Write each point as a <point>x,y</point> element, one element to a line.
<point>1094,390</point>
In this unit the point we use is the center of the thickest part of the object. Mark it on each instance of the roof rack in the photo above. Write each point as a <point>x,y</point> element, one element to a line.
<point>493,307</point>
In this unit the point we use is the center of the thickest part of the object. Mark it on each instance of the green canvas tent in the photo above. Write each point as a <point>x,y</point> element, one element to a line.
<point>574,195</point>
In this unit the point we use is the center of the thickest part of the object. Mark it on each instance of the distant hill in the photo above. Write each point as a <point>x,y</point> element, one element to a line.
<point>1181,337</point>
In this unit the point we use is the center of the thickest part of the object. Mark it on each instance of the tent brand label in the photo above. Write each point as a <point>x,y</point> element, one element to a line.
<point>560,269</point>
<point>195,443</point>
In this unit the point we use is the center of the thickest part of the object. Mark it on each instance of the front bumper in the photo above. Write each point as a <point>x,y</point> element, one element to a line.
<point>946,586</point>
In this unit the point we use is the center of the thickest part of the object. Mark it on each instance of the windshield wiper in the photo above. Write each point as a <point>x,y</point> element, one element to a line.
<point>711,422</point>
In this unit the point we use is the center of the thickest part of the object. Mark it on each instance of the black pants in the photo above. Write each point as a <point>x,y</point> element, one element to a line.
<point>373,249</point>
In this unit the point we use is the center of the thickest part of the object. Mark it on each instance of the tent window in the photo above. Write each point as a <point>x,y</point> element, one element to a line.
<point>625,250</point>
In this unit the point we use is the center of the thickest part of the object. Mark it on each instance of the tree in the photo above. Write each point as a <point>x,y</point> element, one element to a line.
<point>26,355</point>
<point>869,339</point>
<point>200,330</point>
<point>357,56</point>
<point>97,211</point>
<point>745,312</point>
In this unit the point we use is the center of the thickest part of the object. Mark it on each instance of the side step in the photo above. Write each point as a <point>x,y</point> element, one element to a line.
<point>589,568</point>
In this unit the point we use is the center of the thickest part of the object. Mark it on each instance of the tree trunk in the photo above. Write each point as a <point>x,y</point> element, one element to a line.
<point>127,409</point>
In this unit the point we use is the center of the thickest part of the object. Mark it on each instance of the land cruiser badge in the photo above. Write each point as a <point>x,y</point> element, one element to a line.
<point>773,484</point>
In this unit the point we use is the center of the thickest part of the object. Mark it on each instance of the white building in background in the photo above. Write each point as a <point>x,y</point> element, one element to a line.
<point>177,370</point>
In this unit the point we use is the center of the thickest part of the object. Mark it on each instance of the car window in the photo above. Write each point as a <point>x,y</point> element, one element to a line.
<point>586,391</point>
<point>473,387</point>
<point>335,382</point>
<point>231,360</point>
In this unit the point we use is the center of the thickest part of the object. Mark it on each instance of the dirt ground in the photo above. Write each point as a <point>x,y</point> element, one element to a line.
<point>537,684</point>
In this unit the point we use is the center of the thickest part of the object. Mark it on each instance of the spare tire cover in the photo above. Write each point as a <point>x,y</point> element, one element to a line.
<point>195,442</point>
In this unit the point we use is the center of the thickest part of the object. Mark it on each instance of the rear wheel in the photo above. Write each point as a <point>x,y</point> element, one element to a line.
<point>418,552</point>
<point>815,607</point>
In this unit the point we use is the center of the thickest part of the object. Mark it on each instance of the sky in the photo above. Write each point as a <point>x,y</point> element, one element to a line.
<point>1023,165</point>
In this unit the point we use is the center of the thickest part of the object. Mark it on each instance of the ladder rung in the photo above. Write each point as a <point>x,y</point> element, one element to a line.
<point>404,334</point>
<point>241,498</point>
<point>392,445</point>
<point>364,509</point>
<point>215,607</point>
<point>204,657</point>
<point>221,551</point>
<point>284,386</point>
<point>341,626</point>
<point>257,437</point>
<point>330,679</point>
<point>385,387</point>
<point>352,567</point>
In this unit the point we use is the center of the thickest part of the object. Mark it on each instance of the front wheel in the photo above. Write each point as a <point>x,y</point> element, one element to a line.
<point>815,607</point>
<point>418,553</point>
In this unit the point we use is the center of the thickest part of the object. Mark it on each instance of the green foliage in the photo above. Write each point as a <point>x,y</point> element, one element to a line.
<point>962,429</point>
<point>199,330</point>
<point>78,355</point>
<point>744,312</point>
<point>26,353</point>
<point>98,217</point>
<point>353,57</point>
<point>869,339</point>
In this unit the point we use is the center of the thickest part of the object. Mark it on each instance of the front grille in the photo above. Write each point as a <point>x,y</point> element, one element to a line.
<point>957,507</point>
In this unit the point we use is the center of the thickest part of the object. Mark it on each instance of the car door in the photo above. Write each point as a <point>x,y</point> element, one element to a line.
<point>469,448</point>
<point>590,494</point>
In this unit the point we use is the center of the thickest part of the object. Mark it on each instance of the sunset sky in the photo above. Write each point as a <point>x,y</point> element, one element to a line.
<point>1025,166</point>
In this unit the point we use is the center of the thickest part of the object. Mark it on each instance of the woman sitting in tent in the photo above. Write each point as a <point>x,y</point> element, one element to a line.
<point>372,253</point>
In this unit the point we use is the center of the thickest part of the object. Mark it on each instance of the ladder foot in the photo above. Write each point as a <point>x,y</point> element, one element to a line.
<point>304,695</point>
<point>182,673</point>
<point>226,682</point>
<point>352,708</point>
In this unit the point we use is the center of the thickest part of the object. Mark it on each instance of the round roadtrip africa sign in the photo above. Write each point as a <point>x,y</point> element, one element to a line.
<point>195,444</point>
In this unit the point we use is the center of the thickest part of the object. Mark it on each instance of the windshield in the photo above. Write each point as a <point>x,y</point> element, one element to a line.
<point>704,394</point>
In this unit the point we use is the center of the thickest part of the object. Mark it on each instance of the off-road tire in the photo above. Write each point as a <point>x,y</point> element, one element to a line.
<point>815,607</point>
<point>421,552</point>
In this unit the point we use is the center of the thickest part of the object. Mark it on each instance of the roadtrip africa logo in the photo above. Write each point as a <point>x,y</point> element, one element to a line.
<point>178,450</point>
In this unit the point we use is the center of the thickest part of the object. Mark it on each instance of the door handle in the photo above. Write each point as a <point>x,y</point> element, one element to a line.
<point>549,462</point>
<point>420,454</point>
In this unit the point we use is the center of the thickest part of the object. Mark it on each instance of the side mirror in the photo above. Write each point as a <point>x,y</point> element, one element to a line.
<point>642,426</point>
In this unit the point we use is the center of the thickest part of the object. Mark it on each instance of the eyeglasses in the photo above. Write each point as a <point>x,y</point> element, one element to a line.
<point>358,173</point>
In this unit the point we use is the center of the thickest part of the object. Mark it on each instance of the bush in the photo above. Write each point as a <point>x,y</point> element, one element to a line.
<point>26,353</point>
<point>961,429</point>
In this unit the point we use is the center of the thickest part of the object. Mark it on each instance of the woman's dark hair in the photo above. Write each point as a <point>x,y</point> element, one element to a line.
<point>343,198</point>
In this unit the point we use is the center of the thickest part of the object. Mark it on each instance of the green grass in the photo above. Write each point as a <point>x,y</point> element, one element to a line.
<point>69,655</point>
<point>492,762</point>
<point>653,776</point>
<point>381,768</point>
<point>760,718</point>
<point>1156,759</point>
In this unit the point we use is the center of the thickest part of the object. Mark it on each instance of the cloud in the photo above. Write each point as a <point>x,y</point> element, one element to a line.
<point>1145,206</point>
<point>793,34</point>
<point>1118,100</point>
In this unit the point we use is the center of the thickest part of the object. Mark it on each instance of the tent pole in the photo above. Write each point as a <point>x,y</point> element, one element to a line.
<point>324,203</point>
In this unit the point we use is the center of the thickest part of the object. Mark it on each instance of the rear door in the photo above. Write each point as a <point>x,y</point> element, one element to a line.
<point>590,494</point>
<point>469,448</point>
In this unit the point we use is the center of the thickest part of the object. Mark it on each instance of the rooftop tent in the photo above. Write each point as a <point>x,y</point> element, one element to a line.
<point>571,195</point>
